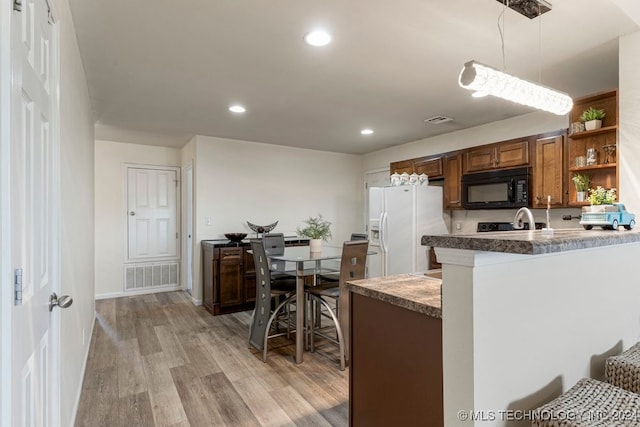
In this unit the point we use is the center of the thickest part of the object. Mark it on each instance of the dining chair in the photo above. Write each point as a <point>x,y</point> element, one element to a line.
<point>333,276</point>
<point>282,294</point>
<point>352,267</point>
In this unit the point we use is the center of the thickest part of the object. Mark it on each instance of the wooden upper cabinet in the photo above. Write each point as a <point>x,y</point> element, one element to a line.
<point>496,156</point>
<point>402,167</point>
<point>431,166</point>
<point>548,176</point>
<point>452,165</point>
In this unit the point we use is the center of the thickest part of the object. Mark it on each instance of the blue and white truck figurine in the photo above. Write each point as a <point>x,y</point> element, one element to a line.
<point>607,216</point>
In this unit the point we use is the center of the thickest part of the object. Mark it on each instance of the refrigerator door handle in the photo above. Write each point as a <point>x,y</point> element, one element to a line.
<point>383,229</point>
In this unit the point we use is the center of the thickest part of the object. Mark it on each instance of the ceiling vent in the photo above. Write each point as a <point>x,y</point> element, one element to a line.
<point>528,8</point>
<point>438,120</point>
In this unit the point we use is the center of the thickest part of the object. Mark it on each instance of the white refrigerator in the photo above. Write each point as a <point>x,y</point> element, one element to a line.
<point>398,218</point>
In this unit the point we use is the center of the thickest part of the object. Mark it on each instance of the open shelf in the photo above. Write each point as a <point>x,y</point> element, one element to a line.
<point>593,167</point>
<point>588,133</point>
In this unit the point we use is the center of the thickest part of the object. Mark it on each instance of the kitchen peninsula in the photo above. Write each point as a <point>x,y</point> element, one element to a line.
<point>524,317</point>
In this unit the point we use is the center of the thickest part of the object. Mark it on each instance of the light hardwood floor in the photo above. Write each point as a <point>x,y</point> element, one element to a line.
<point>158,360</point>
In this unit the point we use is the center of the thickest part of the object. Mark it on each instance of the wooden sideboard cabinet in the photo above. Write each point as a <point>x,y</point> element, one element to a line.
<point>229,276</point>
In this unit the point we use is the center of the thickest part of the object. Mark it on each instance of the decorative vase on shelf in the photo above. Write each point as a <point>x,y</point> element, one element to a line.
<point>581,196</point>
<point>315,245</point>
<point>593,124</point>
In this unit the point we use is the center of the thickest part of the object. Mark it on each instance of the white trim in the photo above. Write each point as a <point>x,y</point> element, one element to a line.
<point>138,292</point>
<point>6,288</point>
<point>125,195</point>
<point>185,209</point>
<point>54,325</point>
<point>76,403</point>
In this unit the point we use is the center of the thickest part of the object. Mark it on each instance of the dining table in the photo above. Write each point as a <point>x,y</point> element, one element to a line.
<point>306,264</point>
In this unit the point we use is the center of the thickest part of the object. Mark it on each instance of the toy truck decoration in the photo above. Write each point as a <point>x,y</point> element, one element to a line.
<point>607,216</point>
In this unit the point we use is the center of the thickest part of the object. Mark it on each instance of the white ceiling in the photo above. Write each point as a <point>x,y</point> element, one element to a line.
<point>161,71</point>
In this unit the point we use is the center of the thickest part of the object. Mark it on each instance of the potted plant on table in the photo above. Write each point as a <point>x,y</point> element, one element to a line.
<point>592,118</point>
<point>317,229</point>
<point>600,199</point>
<point>581,181</point>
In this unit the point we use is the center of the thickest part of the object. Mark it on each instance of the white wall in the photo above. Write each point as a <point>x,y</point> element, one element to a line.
<point>110,206</point>
<point>629,130</point>
<point>240,181</point>
<point>76,218</point>
<point>522,329</point>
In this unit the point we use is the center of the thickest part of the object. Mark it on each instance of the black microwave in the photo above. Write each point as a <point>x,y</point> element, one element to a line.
<point>507,188</point>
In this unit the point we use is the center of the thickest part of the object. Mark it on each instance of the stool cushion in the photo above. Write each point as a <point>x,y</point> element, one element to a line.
<point>590,403</point>
<point>624,370</point>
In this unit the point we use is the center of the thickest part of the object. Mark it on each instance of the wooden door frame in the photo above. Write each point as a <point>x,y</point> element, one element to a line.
<point>125,195</point>
<point>6,273</point>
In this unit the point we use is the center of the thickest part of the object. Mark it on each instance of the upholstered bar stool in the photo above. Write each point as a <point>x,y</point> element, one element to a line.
<point>590,403</point>
<point>624,370</point>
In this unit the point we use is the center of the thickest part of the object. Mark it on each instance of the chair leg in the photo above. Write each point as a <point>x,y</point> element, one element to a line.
<point>253,314</point>
<point>334,318</point>
<point>270,321</point>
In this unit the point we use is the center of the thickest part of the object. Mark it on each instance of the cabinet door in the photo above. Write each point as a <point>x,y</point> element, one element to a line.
<point>480,158</point>
<point>510,154</point>
<point>208,262</point>
<point>231,276</point>
<point>429,166</point>
<point>452,177</point>
<point>548,172</point>
<point>401,167</point>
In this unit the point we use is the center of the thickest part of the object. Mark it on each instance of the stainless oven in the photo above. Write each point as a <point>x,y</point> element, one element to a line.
<point>507,188</point>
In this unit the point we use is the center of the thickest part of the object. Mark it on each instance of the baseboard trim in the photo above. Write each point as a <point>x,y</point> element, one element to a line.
<point>84,367</point>
<point>138,292</point>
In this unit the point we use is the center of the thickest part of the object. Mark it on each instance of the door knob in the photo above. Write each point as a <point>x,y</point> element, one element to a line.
<point>132,213</point>
<point>63,302</point>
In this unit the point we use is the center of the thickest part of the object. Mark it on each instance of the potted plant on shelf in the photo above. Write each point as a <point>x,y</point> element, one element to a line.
<point>317,229</point>
<point>592,118</point>
<point>600,199</point>
<point>581,181</point>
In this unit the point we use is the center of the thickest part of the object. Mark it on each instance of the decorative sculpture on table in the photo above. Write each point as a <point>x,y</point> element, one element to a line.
<point>262,228</point>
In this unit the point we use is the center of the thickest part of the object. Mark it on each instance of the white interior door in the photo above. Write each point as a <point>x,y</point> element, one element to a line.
<point>152,213</point>
<point>33,214</point>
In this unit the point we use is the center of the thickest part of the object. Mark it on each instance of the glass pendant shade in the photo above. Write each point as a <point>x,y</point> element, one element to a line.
<point>484,80</point>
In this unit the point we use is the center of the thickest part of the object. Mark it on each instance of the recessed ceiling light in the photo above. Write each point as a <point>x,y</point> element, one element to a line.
<point>317,38</point>
<point>237,109</point>
<point>366,131</point>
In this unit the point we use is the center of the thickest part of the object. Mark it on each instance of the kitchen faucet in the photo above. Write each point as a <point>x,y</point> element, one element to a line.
<point>518,223</point>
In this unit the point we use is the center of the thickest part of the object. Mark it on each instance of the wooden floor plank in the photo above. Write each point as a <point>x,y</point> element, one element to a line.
<point>131,377</point>
<point>196,398</point>
<point>165,401</point>
<point>228,402</point>
<point>135,410</point>
<point>158,360</point>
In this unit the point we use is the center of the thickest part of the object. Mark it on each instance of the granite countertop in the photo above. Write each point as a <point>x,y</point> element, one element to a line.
<point>415,292</point>
<point>532,242</point>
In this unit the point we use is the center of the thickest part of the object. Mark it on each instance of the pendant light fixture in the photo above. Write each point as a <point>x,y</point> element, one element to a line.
<point>485,80</point>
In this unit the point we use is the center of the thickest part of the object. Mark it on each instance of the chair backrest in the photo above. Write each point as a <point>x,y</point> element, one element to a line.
<point>359,236</point>
<point>273,243</point>
<point>263,294</point>
<point>354,260</point>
